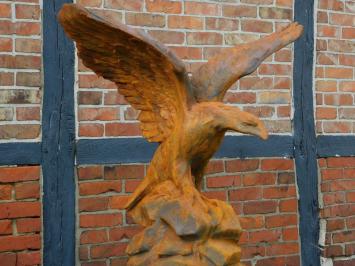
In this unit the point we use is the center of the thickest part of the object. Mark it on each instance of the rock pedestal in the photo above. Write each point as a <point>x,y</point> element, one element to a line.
<point>184,228</point>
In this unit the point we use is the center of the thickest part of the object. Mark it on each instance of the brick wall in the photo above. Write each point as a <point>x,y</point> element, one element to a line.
<point>20,70</point>
<point>20,216</point>
<point>335,75</point>
<point>338,209</point>
<point>195,30</point>
<point>262,192</point>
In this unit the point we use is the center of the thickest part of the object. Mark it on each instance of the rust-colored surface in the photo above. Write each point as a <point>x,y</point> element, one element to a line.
<point>186,116</point>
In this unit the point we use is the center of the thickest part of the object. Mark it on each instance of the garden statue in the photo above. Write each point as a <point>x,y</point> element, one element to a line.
<point>187,117</point>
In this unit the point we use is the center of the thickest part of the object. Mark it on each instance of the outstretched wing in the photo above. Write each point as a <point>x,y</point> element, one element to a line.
<point>152,79</point>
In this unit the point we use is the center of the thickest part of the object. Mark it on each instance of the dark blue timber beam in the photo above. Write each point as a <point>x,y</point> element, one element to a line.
<point>58,144</point>
<point>20,153</point>
<point>335,146</point>
<point>138,150</point>
<point>304,135</point>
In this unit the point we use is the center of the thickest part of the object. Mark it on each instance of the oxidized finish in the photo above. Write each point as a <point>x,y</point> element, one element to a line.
<point>187,117</point>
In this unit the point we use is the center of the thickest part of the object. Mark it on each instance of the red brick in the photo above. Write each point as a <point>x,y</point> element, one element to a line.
<point>275,13</point>
<point>341,162</point>
<point>240,97</point>
<point>342,185</point>
<point>197,8</point>
<point>90,3</point>
<point>257,26</point>
<point>132,5</point>
<point>118,202</point>
<point>265,236</point>
<point>125,232</point>
<point>290,234</point>
<point>341,19</point>
<point>223,181</point>
<point>331,174</point>
<point>241,165</point>
<point>336,5</point>
<point>255,82</point>
<point>100,220</point>
<point>28,28</point>
<point>5,192</point>
<point>338,211</point>
<point>124,171</point>
<point>350,222</point>
<point>19,209</point>
<point>8,259</point>
<point>28,45</point>
<point>93,237</point>
<point>91,130</point>
<point>93,204</point>
<point>27,190</point>
<point>326,113</point>
<point>245,194</point>
<point>27,12</point>
<point>118,261</point>
<point>251,251</point>
<point>333,225</point>
<point>252,222</point>
<point>168,37</point>
<point>5,44</point>
<point>260,207</point>
<point>346,236</point>
<point>239,11</point>
<point>274,69</point>
<point>204,38</point>
<point>15,174</point>
<point>338,73</point>
<point>326,85</point>
<point>131,185</point>
<point>350,196</point>
<point>334,251</point>
<point>327,31</point>
<point>28,113</point>
<point>334,198</point>
<point>276,164</point>
<point>281,220</point>
<point>185,22</point>
<point>19,131</point>
<point>6,79</point>
<point>285,178</point>
<point>13,243</point>
<point>279,192</point>
<point>90,97</point>
<point>6,27</point>
<point>5,227</point>
<point>93,81</point>
<point>28,225</point>
<point>122,129</point>
<point>255,179</point>
<point>222,24</point>
<point>145,19</point>
<point>282,249</point>
<point>164,6</point>
<point>108,250</point>
<point>5,10</point>
<point>95,188</point>
<point>214,166</point>
<point>289,205</point>
<point>90,172</point>
<point>29,258</point>
<point>102,113</point>
<point>347,60</point>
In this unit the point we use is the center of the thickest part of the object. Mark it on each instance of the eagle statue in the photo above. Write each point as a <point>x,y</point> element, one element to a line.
<point>186,116</point>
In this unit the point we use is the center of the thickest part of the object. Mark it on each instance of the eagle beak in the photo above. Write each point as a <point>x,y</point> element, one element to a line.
<point>247,123</point>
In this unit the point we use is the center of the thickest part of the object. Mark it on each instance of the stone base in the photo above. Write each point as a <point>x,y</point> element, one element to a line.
<point>184,228</point>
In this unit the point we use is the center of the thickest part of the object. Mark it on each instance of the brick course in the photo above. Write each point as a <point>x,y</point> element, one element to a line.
<point>20,216</point>
<point>262,192</point>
